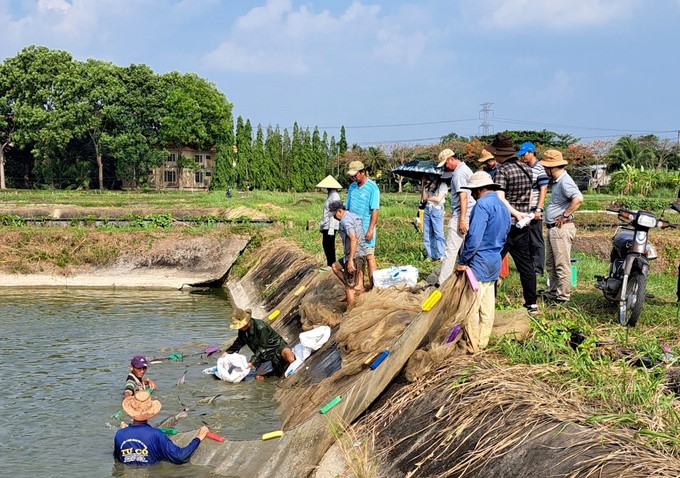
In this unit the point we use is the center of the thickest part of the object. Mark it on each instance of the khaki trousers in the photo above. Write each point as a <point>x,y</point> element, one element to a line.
<point>558,259</point>
<point>453,242</point>
<point>481,316</point>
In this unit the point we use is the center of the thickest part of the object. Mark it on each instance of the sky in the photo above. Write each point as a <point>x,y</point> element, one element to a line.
<point>392,71</point>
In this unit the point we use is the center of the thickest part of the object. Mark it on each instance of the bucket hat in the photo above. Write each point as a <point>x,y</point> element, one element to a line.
<point>481,179</point>
<point>502,145</point>
<point>140,406</point>
<point>240,318</point>
<point>485,156</point>
<point>552,158</point>
<point>329,182</point>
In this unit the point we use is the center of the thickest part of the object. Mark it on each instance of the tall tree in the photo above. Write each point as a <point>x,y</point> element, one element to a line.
<point>342,143</point>
<point>38,81</point>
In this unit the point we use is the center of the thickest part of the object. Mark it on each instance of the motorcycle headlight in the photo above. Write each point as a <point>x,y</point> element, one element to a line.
<point>645,220</point>
<point>650,252</point>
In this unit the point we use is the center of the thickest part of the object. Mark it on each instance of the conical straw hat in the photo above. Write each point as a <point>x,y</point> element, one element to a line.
<point>329,182</point>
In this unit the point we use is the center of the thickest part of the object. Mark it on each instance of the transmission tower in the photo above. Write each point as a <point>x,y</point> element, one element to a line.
<point>485,113</point>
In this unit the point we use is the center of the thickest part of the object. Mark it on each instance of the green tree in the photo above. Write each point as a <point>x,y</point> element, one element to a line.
<point>342,142</point>
<point>630,151</point>
<point>38,89</point>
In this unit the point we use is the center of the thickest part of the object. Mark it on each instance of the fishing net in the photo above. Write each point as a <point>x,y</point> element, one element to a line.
<point>371,326</point>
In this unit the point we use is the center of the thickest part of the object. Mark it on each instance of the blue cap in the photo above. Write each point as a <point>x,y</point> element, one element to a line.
<point>527,147</point>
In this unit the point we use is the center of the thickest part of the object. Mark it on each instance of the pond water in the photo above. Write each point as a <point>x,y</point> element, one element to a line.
<point>66,355</point>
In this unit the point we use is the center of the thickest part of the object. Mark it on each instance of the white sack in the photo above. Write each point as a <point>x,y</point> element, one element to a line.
<point>232,367</point>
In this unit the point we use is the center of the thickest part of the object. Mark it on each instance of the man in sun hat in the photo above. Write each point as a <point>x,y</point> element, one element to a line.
<point>481,252</point>
<point>266,343</point>
<point>329,225</point>
<point>565,199</point>
<point>141,444</point>
<point>363,199</point>
<point>515,177</point>
<point>461,205</point>
<point>135,379</point>
<point>488,162</point>
<point>350,269</point>
<point>539,191</point>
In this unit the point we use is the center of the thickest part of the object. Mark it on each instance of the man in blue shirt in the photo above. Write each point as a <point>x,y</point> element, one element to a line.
<point>481,252</point>
<point>142,444</point>
<point>363,199</point>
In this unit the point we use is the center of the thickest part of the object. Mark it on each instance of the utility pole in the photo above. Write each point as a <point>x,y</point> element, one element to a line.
<point>486,112</point>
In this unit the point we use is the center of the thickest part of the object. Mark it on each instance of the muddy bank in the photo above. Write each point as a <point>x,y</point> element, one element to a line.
<point>143,260</point>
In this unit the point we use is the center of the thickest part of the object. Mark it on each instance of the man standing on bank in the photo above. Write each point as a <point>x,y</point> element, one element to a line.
<point>363,199</point>
<point>461,205</point>
<point>565,199</point>
<point>350,269</point>
<point>514,178</point>
<point>539,190</point>
<point>481,252</point>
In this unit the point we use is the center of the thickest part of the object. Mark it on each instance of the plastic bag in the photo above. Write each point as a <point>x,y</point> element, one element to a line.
<point>407,275</point>
<point>310,341</point>
<point>232,367</point>
<point>315,337</point>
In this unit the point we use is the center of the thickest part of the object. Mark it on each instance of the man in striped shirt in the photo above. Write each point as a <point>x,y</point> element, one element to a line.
<point>539,190</point>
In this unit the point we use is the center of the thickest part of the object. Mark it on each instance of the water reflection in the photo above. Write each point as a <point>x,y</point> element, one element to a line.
<point>66,356</point>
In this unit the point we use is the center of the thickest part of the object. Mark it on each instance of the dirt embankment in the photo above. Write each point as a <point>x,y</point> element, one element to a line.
<point>97,257</point>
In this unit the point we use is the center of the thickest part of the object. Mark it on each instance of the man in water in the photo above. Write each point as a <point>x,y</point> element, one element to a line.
<point>261,338</point>
<point>142,444</point>
<point>135,379</point>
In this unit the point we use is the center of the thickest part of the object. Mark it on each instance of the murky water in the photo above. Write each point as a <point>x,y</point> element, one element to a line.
<point>65,357</point>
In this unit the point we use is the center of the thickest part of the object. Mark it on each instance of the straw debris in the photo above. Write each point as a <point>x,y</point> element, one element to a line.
<point>476,417</point>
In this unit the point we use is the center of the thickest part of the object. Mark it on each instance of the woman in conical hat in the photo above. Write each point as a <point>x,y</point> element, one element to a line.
<point>329,225</point>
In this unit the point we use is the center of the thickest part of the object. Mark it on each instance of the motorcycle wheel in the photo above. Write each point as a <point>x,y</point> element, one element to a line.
<point>631,308</point>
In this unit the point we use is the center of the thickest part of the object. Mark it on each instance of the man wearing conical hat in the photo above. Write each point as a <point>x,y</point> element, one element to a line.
<point>141,444</point>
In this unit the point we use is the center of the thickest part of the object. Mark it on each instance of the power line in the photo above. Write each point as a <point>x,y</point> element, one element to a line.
<point>396,124</point>
<point>537,123</point>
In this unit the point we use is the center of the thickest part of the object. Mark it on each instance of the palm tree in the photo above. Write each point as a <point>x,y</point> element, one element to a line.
<point>630,151</point>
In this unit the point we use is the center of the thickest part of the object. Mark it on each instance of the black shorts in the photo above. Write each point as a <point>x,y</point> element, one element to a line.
<point>351,278</point>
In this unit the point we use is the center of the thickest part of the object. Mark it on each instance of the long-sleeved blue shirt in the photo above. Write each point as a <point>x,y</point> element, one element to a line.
<point>142,444</point>
<point>489,227</point>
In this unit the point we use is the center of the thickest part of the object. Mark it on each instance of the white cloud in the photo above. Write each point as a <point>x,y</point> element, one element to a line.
<point>542,14</point>
<point>278,37</point>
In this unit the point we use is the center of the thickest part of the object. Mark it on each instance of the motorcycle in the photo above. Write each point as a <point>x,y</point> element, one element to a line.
<point>629,265</point>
